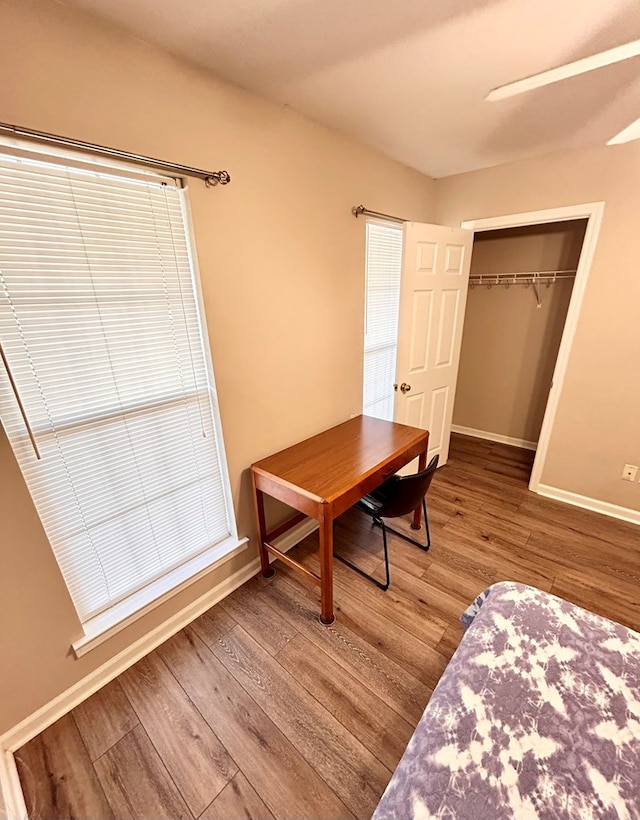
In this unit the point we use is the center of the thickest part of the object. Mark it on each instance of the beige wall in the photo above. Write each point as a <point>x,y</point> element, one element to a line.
<point>596,429</point>
<point>509,345</point>
<point>281,261</point>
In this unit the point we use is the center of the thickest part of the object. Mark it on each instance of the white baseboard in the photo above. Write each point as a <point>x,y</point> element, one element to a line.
<point>294,536</point>
<point>42,718</point>
<point>63,703</point>
<point>593,504</point>
<point>514,442</point>
<point>12,805</point>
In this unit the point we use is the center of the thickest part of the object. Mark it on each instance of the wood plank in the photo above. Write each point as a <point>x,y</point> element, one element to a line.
<point>413,615</point>
<point>534,523</point>
<point>104,718</point>
<point>377,726</point>
<point>386,679</point>
<point>463,556</point>
<point>58,780</point>
<point>450,640</point>
<point>268,628</point>
<point>617,600</point>
<point>470,444</point>
<point>610,530</point>
<point>466,586</point>
<point>518,563</point>
<point>505,561</point>
<point>418,658</point>
<point>486,527</point>
<point>448,606</point>
<point>355,528</point>
<point>237,801</point>
<point>290,787</point>
<point>480,485</point>
<point>404,525</point>
<point>213,624</point>
<point>510,470</point>
<point>184,740</point>
<point>357,541</point>
<point>448,497</point>
<point>370,656</point>
<point>520,570</point>
<point>510,453</point>
<point>438,510</point>
<point>409,602</point>
<point>619,562</point>
<point>136,782</point>
<point>345,764</point>
<point>410,558</point>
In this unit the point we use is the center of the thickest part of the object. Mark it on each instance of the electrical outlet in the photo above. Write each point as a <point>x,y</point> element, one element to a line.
<point>629,472</point>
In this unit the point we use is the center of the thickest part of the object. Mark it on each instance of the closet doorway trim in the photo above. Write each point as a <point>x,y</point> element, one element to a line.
<point>592,212</point>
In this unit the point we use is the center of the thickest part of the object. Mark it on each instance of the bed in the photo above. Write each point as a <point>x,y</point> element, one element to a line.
<point>537,716</point>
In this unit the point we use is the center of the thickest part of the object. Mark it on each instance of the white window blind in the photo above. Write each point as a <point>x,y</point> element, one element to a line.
<point>382,304</point>
<point>101,329</point>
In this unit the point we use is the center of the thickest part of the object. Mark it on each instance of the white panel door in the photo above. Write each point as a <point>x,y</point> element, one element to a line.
<point>435,275</point>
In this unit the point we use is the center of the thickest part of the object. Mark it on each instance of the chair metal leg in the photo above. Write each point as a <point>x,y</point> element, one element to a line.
<point>384,586</point>
<point>426,524</point>
<point>423,547</point>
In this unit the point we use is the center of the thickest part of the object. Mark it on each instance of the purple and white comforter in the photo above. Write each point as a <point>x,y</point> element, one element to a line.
<point>537,716</point>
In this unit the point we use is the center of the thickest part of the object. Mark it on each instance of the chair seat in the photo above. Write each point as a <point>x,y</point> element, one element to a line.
<point>396,497</point>
<point>370,505</point>
<point>374,501</point>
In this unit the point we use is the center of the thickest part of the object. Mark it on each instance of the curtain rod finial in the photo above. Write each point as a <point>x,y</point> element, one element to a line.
<point>220,177</point>
<point>357,210</point>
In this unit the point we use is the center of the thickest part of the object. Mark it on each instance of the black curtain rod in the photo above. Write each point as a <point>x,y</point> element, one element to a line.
<point>210,177</point>
<point>360,210</point>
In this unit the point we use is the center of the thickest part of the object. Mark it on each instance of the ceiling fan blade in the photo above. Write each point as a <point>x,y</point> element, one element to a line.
<point>631,132</point>
<point>553,75</point>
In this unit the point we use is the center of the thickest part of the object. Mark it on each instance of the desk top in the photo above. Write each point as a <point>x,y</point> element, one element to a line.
<point>327,465</point>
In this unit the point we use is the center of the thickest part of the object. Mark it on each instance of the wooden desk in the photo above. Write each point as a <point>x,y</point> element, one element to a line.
<point>325,475</point>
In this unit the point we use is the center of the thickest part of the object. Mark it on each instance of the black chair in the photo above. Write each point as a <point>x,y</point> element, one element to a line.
<point>397,496</point>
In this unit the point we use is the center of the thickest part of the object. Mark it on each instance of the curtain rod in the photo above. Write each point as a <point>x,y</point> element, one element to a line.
<point>360,210</point>
<point>210,178</point>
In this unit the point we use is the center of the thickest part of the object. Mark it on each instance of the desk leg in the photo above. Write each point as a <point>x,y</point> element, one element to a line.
<point>422,463</point>
<point>258,497</point>
<point>326,569</point>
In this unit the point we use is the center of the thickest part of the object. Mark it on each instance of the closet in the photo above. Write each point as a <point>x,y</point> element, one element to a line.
<point>519,290</point>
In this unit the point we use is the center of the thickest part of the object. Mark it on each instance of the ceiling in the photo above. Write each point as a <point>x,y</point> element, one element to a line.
<point>409,77</point>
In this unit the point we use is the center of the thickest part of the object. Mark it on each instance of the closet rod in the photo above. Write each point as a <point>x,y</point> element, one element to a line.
<point>520,277</point>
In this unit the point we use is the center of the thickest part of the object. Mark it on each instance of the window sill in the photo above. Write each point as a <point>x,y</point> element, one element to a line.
<point>99,629</point>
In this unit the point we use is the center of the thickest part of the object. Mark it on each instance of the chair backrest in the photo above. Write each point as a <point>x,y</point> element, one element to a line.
<point>401,494</point>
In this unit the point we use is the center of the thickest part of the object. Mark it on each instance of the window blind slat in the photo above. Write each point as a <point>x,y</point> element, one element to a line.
<point>100,323</point>
<point>382,302</point>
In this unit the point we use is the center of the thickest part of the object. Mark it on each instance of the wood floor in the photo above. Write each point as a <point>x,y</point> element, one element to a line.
<point>257,710</point>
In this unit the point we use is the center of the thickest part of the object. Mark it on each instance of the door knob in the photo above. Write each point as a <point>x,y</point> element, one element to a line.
<point>405,387</point>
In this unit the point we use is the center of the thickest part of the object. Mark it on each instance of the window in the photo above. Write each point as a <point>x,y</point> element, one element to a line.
<point>102,333</point>
<point>382,303</point>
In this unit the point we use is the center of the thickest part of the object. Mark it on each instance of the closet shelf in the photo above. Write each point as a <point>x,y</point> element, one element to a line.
<point>540,277</point>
